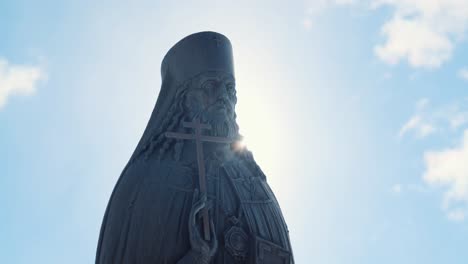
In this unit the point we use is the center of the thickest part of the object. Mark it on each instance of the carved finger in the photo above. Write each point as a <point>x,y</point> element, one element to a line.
<point>195,238</point>
<point>208,206</point>
<point>196,208</point>
<point>214,240</point>
<point>194,233</point>
<point>200,204</point>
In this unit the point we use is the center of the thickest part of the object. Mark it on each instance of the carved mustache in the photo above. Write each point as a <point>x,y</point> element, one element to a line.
<point>221,103</point>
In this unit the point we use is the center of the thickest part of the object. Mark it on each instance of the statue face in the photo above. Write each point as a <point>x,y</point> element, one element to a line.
<point>211,95</point>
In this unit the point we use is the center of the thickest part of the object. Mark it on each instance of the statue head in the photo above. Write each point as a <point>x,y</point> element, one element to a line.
<point>211,93</point>
<point>200,68</point>
<point>197,82</point>
<point>211,98</point>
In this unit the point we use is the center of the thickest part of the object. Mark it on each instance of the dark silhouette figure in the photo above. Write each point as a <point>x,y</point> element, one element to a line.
<point>190,193</point>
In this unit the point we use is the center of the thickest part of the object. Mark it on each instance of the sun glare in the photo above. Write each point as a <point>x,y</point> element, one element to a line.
<point>239,145</point>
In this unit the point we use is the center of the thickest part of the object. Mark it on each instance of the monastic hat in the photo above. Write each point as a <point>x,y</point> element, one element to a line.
<point>197,53</point>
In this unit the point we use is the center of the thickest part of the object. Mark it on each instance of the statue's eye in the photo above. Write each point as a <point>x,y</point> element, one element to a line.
<point>209,85</point>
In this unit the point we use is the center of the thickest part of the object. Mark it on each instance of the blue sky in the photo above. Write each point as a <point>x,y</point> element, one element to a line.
<point>365,105</point>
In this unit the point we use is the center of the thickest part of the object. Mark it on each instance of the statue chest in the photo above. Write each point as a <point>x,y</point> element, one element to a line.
<point>248,220</point>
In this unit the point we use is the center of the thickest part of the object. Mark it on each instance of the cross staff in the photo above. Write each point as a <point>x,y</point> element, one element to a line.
<point>199,138</point>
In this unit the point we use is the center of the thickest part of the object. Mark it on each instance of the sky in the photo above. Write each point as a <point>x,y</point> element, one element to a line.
<point>357,112</point>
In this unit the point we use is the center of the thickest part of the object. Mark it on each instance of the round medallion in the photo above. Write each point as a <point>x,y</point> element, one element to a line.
<point>236,242</point>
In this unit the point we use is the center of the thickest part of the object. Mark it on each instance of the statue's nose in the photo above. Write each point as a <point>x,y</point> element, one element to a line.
<point>219,92</point>
<point>222,91</point>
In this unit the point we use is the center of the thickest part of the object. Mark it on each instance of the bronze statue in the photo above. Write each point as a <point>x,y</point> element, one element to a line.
<point>189,193</point>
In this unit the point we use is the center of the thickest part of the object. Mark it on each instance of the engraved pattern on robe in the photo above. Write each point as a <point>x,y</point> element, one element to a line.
<point>147,218</point>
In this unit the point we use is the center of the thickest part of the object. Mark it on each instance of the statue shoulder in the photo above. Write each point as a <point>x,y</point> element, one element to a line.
<point>245,161</point>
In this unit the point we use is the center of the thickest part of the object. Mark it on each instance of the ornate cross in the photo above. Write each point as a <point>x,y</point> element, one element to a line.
<point>199,138</point>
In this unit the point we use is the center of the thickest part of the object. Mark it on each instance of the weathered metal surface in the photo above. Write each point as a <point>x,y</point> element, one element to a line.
<point>186,166</point>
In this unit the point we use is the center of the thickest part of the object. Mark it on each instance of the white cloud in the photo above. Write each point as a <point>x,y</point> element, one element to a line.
<point>448,168</point>
<point>426,121</point>
<point>419,125</point>
<point>420,122</point>
<point>423,32</point>
<point>463,73</point>
<point>458,119</point>
<point>456,215</point>
<point>414,41</point>
<point>18,79</point>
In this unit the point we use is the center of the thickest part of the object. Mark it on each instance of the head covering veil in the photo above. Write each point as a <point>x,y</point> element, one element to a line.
<point>191,56</point>
<point>194,54</point>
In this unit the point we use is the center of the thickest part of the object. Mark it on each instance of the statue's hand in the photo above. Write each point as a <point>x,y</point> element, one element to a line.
<point>201,251</point>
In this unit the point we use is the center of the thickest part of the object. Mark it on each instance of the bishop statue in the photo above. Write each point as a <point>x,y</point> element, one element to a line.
<point>189,193</point>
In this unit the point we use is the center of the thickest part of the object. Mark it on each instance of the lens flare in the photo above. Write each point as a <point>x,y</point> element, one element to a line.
<point>239,145</point>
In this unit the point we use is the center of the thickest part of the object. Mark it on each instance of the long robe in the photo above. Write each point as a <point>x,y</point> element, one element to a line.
<point>146,220</point>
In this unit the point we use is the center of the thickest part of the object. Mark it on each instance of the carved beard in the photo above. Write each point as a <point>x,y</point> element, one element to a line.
<point>223,123</point>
